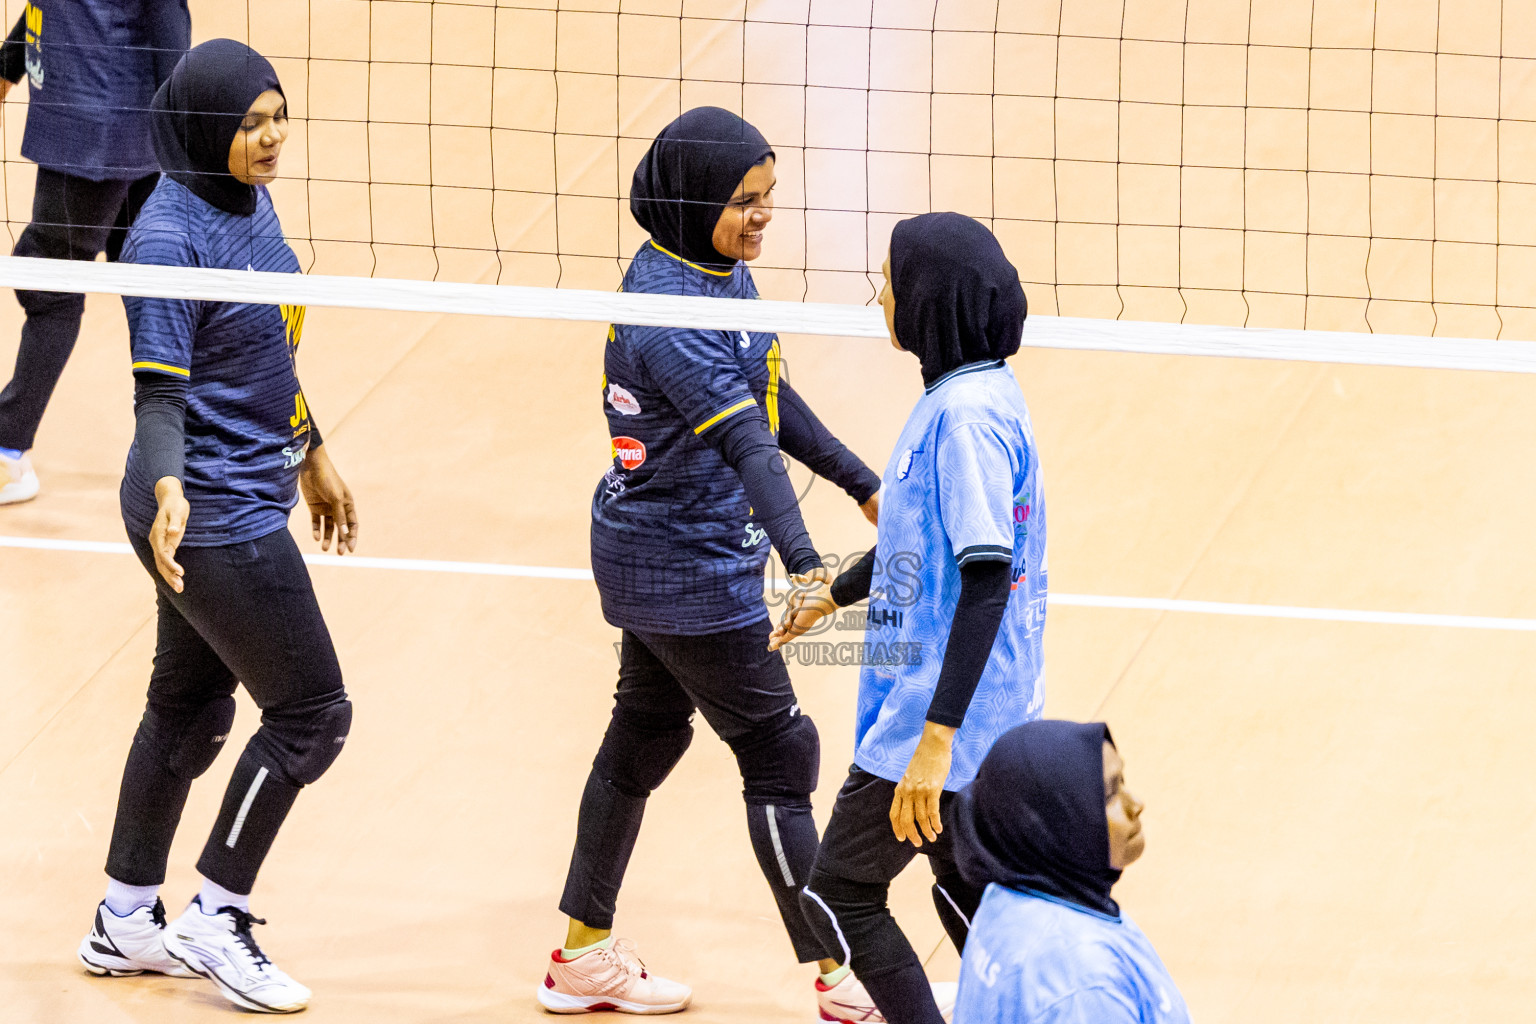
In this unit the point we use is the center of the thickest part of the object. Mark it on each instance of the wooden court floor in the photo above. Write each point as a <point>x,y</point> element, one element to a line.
<point>1338,814</point>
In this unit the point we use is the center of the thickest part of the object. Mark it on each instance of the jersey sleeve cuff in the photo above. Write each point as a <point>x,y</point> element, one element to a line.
<point>151,366</point>
<point>725,413</point>
<point>984,553</point>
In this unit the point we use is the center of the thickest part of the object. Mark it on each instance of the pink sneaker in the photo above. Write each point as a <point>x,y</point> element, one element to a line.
<point>609,979</point>
<point>848,1002</point>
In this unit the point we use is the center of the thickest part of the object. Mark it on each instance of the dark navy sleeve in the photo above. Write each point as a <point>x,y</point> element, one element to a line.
<point>804,437</point>
<point>168,25</point>
<point>161,331</point>
<point>13,55</point>
<point>852,584</point>
<point>984,589</point>
<point>697,371</point>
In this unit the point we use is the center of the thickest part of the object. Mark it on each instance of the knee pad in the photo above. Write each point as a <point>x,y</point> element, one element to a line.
<point>782,765</point>
<point>186,743</point>
<point>309,758</point>
<point>638,754</point>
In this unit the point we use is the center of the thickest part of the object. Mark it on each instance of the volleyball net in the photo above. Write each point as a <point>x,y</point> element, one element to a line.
<point>1356,166</point>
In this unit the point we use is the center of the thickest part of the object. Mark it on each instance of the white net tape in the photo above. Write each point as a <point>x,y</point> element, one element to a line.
<point>840,321</point>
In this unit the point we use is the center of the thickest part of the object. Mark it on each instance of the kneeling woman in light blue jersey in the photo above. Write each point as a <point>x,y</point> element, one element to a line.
<point>1047,827</point>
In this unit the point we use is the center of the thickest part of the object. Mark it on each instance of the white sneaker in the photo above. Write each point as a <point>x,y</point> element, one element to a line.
<point>220,947</point>
<point>120,947</point>
<point>18,481</point>
<point>848,1002</point>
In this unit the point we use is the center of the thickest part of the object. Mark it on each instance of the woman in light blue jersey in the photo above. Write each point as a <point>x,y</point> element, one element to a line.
<point>952,656</point>
<point>1047,827</point>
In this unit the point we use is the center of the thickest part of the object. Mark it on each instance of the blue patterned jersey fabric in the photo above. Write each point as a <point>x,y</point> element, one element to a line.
<point>1030,959</point>
<point>247,420</point>
<point>963,483</point>
<point>674,548</point>
<point>93,67</point>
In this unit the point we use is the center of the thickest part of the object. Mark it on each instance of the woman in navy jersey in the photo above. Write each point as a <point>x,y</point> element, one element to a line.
<point>92,67</point>
<point>681,527</point>
<point>224,443</point>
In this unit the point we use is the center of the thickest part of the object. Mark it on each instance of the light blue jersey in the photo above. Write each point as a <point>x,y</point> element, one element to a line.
<point>963,483</point>
<point>1030,959</point>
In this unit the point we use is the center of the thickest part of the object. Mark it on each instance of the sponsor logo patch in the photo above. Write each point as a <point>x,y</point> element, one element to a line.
<point>623,401</point>
<point>629,452</point>
<point>905,465</point>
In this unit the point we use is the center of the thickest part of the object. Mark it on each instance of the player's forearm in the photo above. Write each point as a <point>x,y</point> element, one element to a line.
<point>804,437</point>
<point>852,585</point>
<point>160,425</point>
<point>984,588</point>
<point>13,53</point>
<point>748,447</point>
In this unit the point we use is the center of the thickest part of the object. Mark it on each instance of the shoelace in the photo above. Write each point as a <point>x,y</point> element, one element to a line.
<point>243,921</point>
<point>624,953</point>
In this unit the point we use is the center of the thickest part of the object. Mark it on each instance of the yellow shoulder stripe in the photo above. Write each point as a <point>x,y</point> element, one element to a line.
<point>145,364</point>
<point>695,266</point>
<point>723,413</point>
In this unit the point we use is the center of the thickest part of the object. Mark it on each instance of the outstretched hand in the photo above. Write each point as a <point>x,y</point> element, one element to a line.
<point>331,509</point>
<point>808,605</point>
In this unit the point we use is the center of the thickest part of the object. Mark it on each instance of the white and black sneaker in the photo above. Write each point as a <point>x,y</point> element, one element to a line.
<point>220,947</point>
<point>121,947</point>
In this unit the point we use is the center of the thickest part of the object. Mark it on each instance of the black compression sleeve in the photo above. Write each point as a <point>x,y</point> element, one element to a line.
<point>852,584</point>
<point>315,440</point>
<point>748,447</point>
<point>160,428</point>
<point>13,55</point>
<point>983,597</point>
<point>807,439</point>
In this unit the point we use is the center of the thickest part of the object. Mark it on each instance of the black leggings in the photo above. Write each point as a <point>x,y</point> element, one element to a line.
<point>850,883</point>
<point>247,612</point>
<point>72,219</point>
<point>745,695</point>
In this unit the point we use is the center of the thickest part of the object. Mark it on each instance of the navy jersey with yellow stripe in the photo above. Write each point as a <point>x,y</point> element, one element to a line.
<point>674,547</point>
<point>247,421</point>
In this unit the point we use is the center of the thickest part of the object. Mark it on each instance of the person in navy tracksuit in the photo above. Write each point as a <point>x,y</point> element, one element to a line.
<point>93,66</point>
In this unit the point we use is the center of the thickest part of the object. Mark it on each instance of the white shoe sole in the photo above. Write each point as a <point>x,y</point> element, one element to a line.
<point>19,491</point>
<point>233,994</point>
<point>559,1002</point>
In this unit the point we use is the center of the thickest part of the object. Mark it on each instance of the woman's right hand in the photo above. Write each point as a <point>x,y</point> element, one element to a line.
<point>805,608</point>
<point>169,527</point>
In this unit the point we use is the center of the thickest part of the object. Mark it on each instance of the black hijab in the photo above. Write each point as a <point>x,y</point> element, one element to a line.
<point>688,175</point>
<point>1033,818</point>
<point>198,110</point>
<point>958,299</point>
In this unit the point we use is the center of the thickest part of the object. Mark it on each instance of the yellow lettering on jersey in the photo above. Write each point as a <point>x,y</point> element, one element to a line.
<point>775,361</point>
<point>293,324</point>
<point>34,25</point>
<point>300,411</point>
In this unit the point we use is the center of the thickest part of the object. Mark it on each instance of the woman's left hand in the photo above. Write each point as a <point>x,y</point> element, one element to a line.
<point>871,509</point>
<point>331,510</point>
<point>915,809</point>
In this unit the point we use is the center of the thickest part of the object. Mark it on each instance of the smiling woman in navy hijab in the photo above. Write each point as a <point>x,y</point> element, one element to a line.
<point>1047,827</point>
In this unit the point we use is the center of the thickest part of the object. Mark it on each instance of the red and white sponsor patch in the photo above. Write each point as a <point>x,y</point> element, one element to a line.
<point>629,452</point>
<point>623,401</point>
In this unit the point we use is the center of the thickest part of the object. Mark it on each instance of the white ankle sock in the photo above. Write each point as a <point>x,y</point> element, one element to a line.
<point>123,900</point>
<point>572,954</point>
<point>214,897</point>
